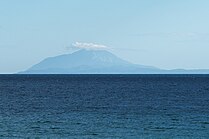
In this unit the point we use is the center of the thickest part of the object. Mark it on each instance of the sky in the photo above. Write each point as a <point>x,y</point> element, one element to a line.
<point>167,34</point>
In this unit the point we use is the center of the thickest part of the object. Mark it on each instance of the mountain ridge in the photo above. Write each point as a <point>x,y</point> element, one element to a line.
<point>98,62</point>
<point>86,61</point>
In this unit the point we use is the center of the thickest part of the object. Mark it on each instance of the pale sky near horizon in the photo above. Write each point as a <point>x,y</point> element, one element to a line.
<point>167,34</point>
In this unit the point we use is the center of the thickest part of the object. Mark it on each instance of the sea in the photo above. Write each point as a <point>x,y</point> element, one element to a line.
<point>104,106</point>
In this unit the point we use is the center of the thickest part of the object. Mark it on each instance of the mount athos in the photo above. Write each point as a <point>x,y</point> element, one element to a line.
<point>86,61</point>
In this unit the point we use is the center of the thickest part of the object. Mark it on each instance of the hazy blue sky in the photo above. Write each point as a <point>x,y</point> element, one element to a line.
<point>163,33</point>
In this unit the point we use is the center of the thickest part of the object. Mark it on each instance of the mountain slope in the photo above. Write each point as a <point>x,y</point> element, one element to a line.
<point>88,62</point>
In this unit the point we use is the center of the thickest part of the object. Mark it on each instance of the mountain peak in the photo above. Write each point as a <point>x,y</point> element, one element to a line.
<point>92,51</point>
<point>95,53</point>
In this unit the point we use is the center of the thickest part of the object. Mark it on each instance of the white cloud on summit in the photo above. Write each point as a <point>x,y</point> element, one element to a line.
<point>88,46</point>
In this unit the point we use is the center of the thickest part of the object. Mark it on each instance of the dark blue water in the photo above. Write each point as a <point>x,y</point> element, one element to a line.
<point>104,106</point>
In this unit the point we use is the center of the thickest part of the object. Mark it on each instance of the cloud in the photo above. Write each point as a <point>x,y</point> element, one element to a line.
<point>93,46</point>
<point>88,46</point>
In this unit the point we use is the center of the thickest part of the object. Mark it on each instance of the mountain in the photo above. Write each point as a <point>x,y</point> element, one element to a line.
<point>88,62</point>
<point>98,62</point>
